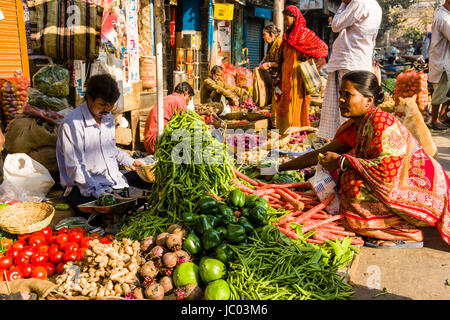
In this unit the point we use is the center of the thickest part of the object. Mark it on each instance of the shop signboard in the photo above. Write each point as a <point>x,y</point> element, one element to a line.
<point>223,11</point>
<point>224,28</point>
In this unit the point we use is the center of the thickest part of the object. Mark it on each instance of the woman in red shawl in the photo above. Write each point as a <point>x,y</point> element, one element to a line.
<point>299,44</point>
<point>389,186</point>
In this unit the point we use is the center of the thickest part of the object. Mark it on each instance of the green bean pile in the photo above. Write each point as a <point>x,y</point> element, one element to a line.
<point>179,186</point>
<point>270,269</point>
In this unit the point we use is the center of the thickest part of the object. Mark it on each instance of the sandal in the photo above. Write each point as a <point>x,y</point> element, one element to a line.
<point>438,126</point>
<point>398,244</point>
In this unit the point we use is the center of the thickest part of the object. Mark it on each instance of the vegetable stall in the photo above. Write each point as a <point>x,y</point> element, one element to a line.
<point>211,230</point>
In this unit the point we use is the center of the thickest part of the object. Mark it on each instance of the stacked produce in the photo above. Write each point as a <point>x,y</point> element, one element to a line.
<point>215,224</point>
<point>307,212</point>
<point>244,77</point>
<point>412,83</point>
<point>272,267</point>
<point>10,101</point>
<point>179,186</point>
<point>50,88</point>
<point>229,73</point>
<point>42,253</point>
<point>107,270</point>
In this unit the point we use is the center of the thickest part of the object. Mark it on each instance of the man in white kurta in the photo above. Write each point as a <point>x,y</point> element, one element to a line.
<point>439,65</point>
<point>357,22</point>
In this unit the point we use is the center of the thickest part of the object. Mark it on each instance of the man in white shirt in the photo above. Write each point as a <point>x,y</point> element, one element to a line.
<point>439,65</point>
<point>357,22</point>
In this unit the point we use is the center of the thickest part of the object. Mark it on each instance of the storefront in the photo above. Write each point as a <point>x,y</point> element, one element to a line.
<point>256,18</point>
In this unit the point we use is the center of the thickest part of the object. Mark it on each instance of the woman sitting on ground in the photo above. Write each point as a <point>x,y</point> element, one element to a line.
<point>389,186</point>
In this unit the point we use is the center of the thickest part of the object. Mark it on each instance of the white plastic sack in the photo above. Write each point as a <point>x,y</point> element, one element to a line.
<point>324,186</point>
<point>24,179</point>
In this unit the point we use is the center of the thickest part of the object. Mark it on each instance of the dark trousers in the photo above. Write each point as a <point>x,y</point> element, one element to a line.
<point>75,198</point>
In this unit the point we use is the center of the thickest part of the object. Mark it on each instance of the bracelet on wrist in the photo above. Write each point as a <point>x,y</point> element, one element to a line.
<point>341,163</point>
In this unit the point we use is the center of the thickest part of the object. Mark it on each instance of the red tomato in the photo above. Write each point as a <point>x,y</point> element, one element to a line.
<point>39,259</point>
<point>111,237</point>
<point>79,230</point>
<point>63,230</point>
<point>43,249</point>
<point>6,262</point>
<point>56,257</point>
<point>105,240</point>
<point>95,235</point>
<point>70,246</point>
<point>84,243</point>
<point>21,259</point>
<point>52,240</point>
<point>13,202</point>
<point>53,249</point>
<point>51,269</point>
<point>60,267</point>
<point>13,252</point>
<point>39,272</point>
<point>75,237</point>
<point>14,274</point>
<point>28,251</point>
<point>19,244</point>
<point>70,256</point>
<point>6,243</point>
<point>26,270</point>
<point>36,241</point>
<point>47,232</point>
<point>81,254</point>
<point>24,237</point>
<point>2,274</point>
<point>62,238</point>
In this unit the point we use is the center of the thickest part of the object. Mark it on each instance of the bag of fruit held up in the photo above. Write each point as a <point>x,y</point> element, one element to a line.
<point>410,83</point>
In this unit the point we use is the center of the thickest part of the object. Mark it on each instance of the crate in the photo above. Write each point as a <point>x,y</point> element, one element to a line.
<point>255,125</point>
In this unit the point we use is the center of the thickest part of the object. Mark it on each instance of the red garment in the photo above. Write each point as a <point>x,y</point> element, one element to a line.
<point>304,39</point>
<point>347,134</point>
<point>171,104</point>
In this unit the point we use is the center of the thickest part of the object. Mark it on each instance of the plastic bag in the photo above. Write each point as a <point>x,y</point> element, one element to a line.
<point>41,100</point>
<point>244,77</point>
<point>52,80</point>
<point>324,186</point>
<point>25,179</point>
<point>73,222</point>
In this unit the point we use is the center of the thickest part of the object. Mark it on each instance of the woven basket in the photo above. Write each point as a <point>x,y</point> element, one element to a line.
<point>255,116</point>
<point>26,217</point>
<point>146,173</point>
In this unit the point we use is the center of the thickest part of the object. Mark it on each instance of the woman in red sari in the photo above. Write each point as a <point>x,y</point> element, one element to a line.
<point>389,186</point>
<point>299,44</point>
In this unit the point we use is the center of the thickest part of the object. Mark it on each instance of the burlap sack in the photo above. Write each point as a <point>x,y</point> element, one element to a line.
<point>24,134</point>
<point>47,157</point>
<point>41,287</point>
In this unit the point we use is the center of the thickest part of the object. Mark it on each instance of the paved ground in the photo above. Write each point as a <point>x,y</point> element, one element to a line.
<point>407,274</point>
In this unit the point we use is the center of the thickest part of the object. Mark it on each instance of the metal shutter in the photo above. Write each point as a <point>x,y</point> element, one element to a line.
<point>255,43</point>
<point>13,45</point>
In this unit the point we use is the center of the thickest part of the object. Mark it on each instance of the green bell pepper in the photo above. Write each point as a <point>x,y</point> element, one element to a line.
<point>192,244</point>
<point>250,201</point>
<point>262,203</point>
<point>258,216</point>
<point>243,221</point>
<point>224,210</point>
<point>245,212</point>
<point>213,220</point>
<point>236,199</point>
<point>109,200</point>
<point>189,217</point>
<point>206,203</point>
<point>235,233</point>
<point>202,224</point>
<point>223,231</point>
<point>224,253</point>
<point>227,218</point>
<point>211,239</point>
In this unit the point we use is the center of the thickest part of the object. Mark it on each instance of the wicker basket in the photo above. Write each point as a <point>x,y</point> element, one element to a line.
<point>255,116</point>
<point>26,217</point>
<point>146,173</point>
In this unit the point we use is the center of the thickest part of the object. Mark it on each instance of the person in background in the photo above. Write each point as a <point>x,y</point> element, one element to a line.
<point>214,88</point>
<point>379,200</point>
<point>299,45</point>
<point>175,102</point>
<point>2,142</point>
<point>357,22</point>
<point>439,66</point>
<point>86,151</point>
<point>425,51</point>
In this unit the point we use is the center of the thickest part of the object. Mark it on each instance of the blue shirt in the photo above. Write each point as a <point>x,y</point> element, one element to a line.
<point>87,153</point>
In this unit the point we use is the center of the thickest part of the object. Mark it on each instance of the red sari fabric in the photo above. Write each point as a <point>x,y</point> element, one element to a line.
<point>395,186</point>
<point>304,39</point>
